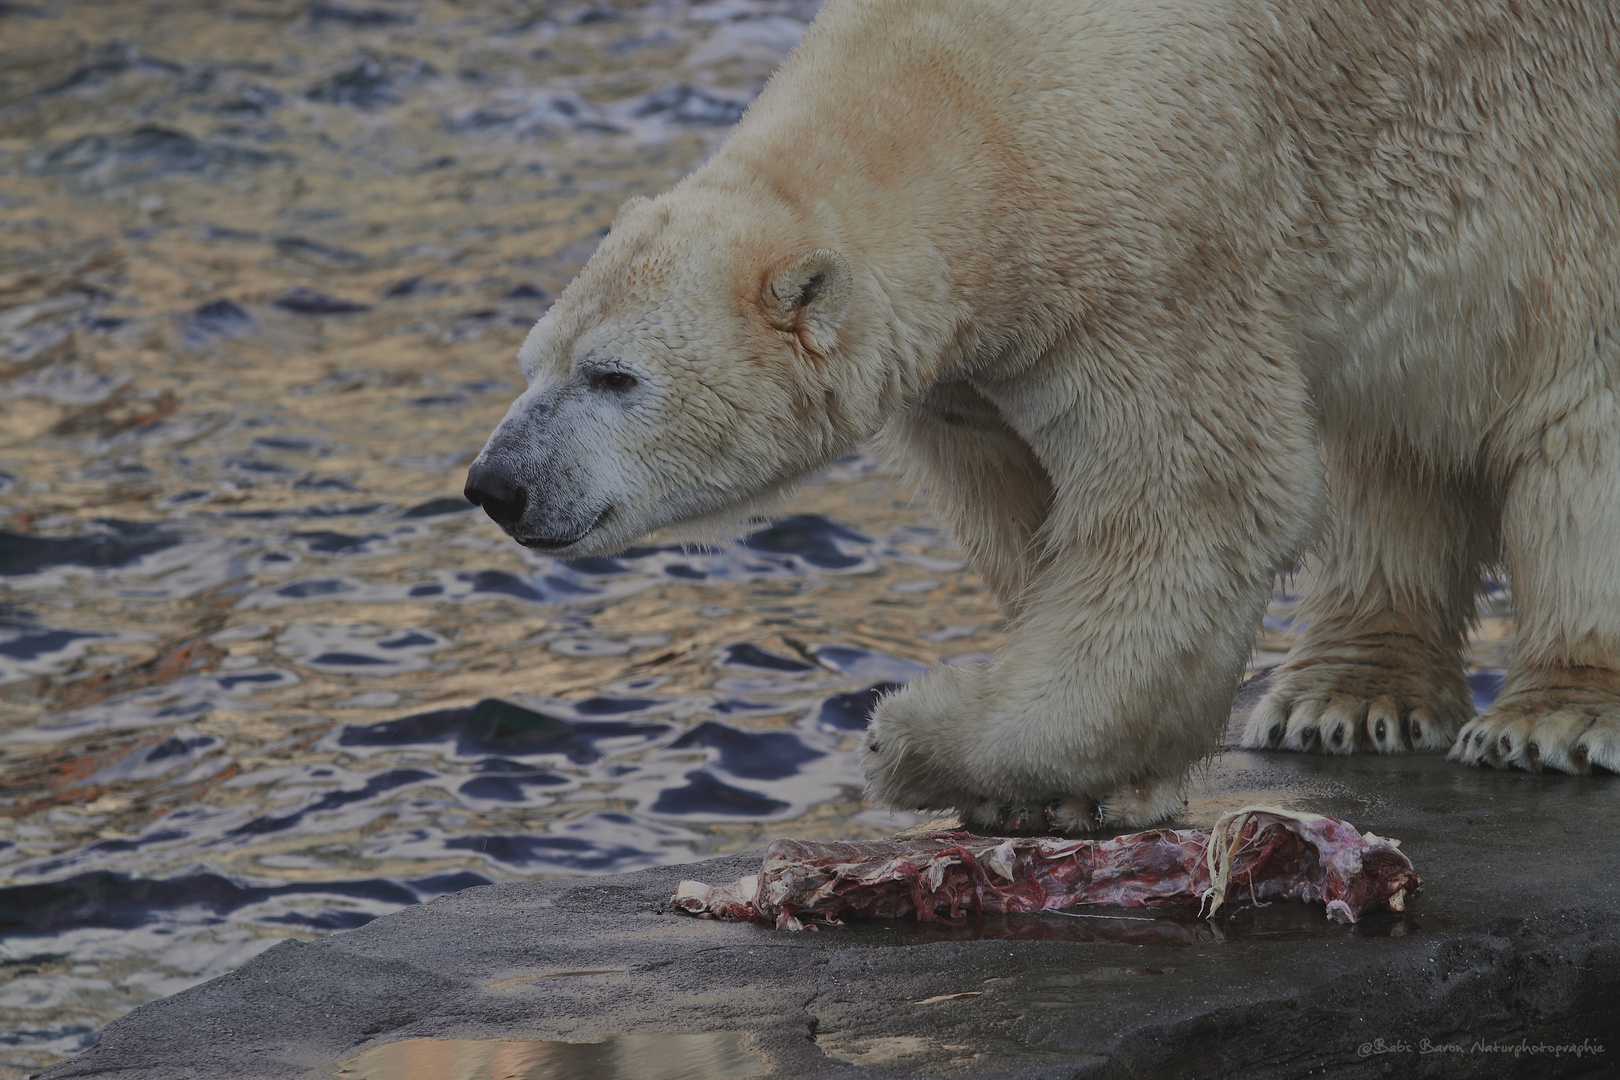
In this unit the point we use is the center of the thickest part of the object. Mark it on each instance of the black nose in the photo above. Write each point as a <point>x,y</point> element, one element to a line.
<point>502,498</point>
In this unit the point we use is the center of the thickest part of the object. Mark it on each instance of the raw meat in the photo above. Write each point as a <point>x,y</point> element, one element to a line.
<point>1259,853</point>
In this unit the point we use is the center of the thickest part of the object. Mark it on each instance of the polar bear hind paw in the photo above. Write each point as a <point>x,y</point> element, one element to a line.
<point>1343,724</point>
<point>1565,722</point>
<point>1338,707</point>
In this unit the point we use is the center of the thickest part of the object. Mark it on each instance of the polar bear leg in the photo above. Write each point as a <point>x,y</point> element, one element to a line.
<point>988,485</point>
<point>1386,605</point>
<point>1140,590</point>
<point>1082,723</point>
<point>1560,704</point>
<point>1079,725</point>
<point>982,477</point>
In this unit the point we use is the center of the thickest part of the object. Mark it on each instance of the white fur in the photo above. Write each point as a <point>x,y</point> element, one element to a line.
<point>1151,296</point>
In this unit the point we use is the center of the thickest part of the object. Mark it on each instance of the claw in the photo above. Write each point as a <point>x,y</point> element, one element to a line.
<point>1532,756</point>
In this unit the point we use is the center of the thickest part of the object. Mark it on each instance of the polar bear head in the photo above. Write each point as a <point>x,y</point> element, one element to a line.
<point>711,352</point>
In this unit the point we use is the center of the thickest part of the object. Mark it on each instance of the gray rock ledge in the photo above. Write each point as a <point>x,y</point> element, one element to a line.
<point>1509,958</point>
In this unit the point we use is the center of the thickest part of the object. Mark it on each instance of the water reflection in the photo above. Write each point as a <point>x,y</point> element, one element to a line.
<point>716,1055</point>
<point>1101,925</point>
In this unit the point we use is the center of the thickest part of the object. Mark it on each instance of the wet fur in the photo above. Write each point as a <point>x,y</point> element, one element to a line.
<point>1154,298</point>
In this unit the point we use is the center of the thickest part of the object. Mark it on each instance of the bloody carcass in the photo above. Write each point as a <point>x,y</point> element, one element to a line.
<point>1257,854</point>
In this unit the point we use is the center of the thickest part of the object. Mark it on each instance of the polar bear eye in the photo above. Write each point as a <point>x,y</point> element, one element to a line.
<point>614,380</point>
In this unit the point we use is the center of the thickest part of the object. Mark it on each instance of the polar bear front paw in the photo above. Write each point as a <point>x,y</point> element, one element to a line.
<point>1062,816</point>
<point>1128,806</point>
<point>907,764</point>
<point>899,773</point>
<point>1342,708</point>
<point>1567,721</point>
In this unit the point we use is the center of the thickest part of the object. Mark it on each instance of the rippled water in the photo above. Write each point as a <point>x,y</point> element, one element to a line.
<point>263,269</point>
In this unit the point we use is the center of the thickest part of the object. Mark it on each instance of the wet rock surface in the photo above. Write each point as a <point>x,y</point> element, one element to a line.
<point>1507,964</point>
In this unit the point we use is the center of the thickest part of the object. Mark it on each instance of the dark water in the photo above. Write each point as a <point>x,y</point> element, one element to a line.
<point>264,267</point>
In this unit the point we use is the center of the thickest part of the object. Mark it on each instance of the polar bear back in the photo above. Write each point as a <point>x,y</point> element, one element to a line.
<point>1429,188</point>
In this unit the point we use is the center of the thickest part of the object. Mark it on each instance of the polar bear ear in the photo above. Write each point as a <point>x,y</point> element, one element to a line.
<point>808,297</point>
<point>628,207</point>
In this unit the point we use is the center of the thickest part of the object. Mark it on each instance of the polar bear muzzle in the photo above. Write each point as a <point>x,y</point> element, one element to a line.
<point>522,483</point>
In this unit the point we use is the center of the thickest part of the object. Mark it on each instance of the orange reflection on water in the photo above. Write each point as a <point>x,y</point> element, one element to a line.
<point>656,1055</point>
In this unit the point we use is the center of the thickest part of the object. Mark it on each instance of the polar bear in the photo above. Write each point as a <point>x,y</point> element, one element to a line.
<point>1153,298</point>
